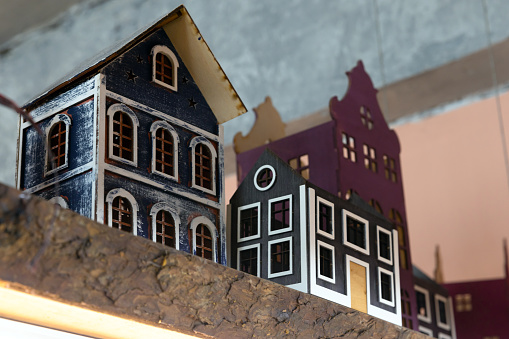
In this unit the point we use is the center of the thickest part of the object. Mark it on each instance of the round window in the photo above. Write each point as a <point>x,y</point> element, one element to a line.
<point>264,178</point>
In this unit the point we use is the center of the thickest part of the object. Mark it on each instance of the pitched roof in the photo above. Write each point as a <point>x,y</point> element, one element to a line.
<point>192,48</point>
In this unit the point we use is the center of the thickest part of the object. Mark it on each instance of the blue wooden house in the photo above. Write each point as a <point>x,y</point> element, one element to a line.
<point>290,231</point>
<point>133,139</point>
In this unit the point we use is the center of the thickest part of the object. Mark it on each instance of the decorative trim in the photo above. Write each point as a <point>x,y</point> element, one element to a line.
<point>425,330</point>
<point>59,178</point>
<point>59,201</point>
<point>134,119</point>
<point>120,192</point>
<point>320,275</point>
<point>256,236</point>
<point>202,140</point>
<point>421,317</point>
<point>153,129</point>
<point>213,231</point>
<point>444,336</point>
<point>257,246</point>
<point>47,130</point>
<point>270,184</point>
<point>290,214</point>
<point>174,63</point>
<point>320,200</point>
<point>346,213</point>
<point>269,245</point>
<point>446,326</point>
<point>163,206</point>
<point>382,259</point>
<point>391,302</point>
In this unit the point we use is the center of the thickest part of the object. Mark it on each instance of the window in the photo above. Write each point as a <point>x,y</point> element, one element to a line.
<point>59,201</point>
<point>349,193</point>
<point>164,149</point>
<point>164,67</point>
<point>423,306</point>
<point>370,158</point>
<point>57,143</point>
<point>204,165</point>
<point>426,331</point>
<point>376,205</point>
<point>165,225</point>
<point>123,139</point>
<point>366,118</point>
<point>281,257</point>
<point>384,245</point>
<point>356,232</point>
<point>349,151</point>
<point>301,165</point>
<point>463,302</point>
<point>385,287</point>
<point>248,221</point>
<point>280,214</point>
<point>444,336</point>
<point>395,217</point>
<point>441,306</point>
<point>325,218</point>
<point>390,168</point>
<point>406,309</point>
<point>204,238</point>
<point>326,262</point>
<point>264,177</point>
<point>122,210</point>
<point>248,258</point>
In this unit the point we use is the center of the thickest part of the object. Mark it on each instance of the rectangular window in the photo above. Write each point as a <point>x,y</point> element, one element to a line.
<point>280,254</point>
<point>325,218</point>
<point>423,307</point>
<point>349,151</point>
<point>248,222</point>
<point>463,302</point>
<point>248,259</point>
<point>370,158</point>
<point>356,232</point>
<point>426,331</point>
<point>441,306</point>
<point>280,214</point>
<point>384,245</point>
<point>390,168</point>
<point>326,262</point>
<point>385,287</point>
<point>301,165</point>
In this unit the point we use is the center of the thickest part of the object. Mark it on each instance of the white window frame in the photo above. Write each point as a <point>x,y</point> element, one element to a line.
<point>212,228</point>
<point>320,200</point>
<point>382,259</point>
<point>446,326</point>
<point>279,274</point>
<point>345,214</point>
<point>424,291</point>
<point>444,336</point>
<point>162,206</point>
<point>320,275</point>
<point>153,129</point>
<point>257,246</point>
<point>290,212</point>
<point>202,140</point>
<point>426,331</point>
<point>241,208</point>
<point>134,119</point>
<point>59,201</point>
<point>120,192</point>
<point>380,299</point>
<point>258,172</point>
<point>175,65</point>
<point>56,119</point>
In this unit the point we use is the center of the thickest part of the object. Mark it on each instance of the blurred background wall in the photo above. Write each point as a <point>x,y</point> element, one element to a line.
<point>439,65</point>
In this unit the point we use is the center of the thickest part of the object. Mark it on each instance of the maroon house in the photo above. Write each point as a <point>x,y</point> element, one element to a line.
<point>354,152</point>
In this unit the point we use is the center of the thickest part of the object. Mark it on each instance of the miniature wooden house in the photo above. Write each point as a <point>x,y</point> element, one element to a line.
<point>354,152</point>
<point>132,139</point>
<point>285,229</point>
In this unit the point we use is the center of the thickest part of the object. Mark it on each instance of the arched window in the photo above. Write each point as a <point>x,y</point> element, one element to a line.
<point>165,66</point>
<point>164,149</point>
<point>59,201</point>
<point>204,165</point>
<point>123,139</point>
<point>57,145</point>
<point>165,225</point>
<point>122,211</point>
<point>204,238</point>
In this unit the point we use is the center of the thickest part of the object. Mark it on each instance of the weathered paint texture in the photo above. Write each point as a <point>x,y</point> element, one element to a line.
<point>47,251</point>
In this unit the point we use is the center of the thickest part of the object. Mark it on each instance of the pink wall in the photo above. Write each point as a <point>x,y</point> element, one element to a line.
<point>456,190</point>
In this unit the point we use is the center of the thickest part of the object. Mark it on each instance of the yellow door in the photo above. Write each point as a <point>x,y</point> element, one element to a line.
<point>358,287</point>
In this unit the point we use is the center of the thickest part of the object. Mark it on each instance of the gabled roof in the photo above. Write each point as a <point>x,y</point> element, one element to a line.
<point>193,50</point>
